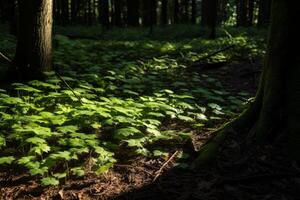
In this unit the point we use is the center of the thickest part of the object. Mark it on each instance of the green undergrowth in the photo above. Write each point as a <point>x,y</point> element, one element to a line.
<point>127,92</point>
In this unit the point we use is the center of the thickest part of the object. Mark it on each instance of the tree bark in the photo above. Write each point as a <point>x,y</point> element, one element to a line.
<point>146,12</point>
<point>176,12</point>
<point>209,17</point>
<point>185,4</point>
<point>104,13</point>
<point>118,13</point>
<point>65,11</point>
<point>34,48</point>
<point>133,12</point>
<point>245,9</point>
<point>194,12</point>
<point>276,108</point>
<point>264,12</point>
<point>164,12</point>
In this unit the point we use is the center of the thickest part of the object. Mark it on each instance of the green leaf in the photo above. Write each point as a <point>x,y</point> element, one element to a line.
<point>25,160</point>
<point>185,118</point>
<point>153,131</point>
<point>67,129</point>
<point>104,168</point>
<point>215,106</point>
<point>38,171</point>
<point>123,133</point>
<point>2,141</point>
<point>60,175</point>
<point>49,181</point>
<point>27,88</point>
<point>135,142</point>
<point>78,171</point>
<point>159,153</point>
<point>35,140</point>
<point>6,160</point>
<point>63,155</point>
<point>40,148</point>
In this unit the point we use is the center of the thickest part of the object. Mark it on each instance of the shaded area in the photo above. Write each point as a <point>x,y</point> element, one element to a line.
<point>133,179</point>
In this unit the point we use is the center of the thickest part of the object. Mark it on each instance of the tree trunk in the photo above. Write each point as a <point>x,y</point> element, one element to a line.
<point>13,21</point>
<point>146,12</point>
<point>194,12</point>
<point>250,12</point>
<point>279,94</point>
<point>133,12</point>
<point>117,13</point>
<point>154,4</point>
<point>245,9</point>
<point>223,15</point>
<point>176,12</point>
<point>264,12</point>
<point>34,48</point>
<point>185,4</point>
<point>209,17</point>
<point>276,108</point>
<point>104,13</point>
<point>164,12</point>
<point>241,13</point>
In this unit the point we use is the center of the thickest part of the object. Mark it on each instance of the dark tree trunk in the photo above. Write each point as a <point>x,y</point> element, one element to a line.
<point>250,12</point>
<point>176,12</point>
<point>245,9</point>
<point>185,4</point>
<point>104,13</point>
<point>276,108</point>
<point>209,17</point>
<point>223,15</point>
<point>117,4</point>
<point>241,13</point>
<point>154,4</point>
<point>264,12</point>
<point>164,12</point>
<point>13,21</point>
<point>194,12</point>
<point>277,103</point>
<point>34,48</point>
<point>133,12</point>
<point>89,12</point>
<point>65,11</point>
<point>146,12</point>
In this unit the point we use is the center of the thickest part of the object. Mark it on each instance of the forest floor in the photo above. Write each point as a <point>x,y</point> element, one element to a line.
<point>218,87</point>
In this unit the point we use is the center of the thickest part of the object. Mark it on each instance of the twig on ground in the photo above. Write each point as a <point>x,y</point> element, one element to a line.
<point>158,173</point>
<point>65,82</point>
<point>216,52</point>
<point>5,57</point>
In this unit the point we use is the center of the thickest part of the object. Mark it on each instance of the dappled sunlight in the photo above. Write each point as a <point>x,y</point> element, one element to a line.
<point>120,96</point>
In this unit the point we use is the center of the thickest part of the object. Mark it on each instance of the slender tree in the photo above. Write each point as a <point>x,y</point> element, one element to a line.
<point>184,11</point>
<point>64,11</point>
<point>34,48</point>
<point>117,16</point>
<point>164,12</point>
<point>264,12</point>
<point>146,12</point>
<point>176,12</point>
<point>276,108</point>
<point>245,9</point>
<point>133,12</point>
<point>194,12</point>
<point>209,17</point>
<point>104,13</point>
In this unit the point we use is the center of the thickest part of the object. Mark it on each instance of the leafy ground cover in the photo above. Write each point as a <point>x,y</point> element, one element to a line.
<point>121,99</point>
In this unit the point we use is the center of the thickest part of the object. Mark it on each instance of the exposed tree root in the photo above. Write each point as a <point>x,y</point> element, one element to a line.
<point>247,119</point>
